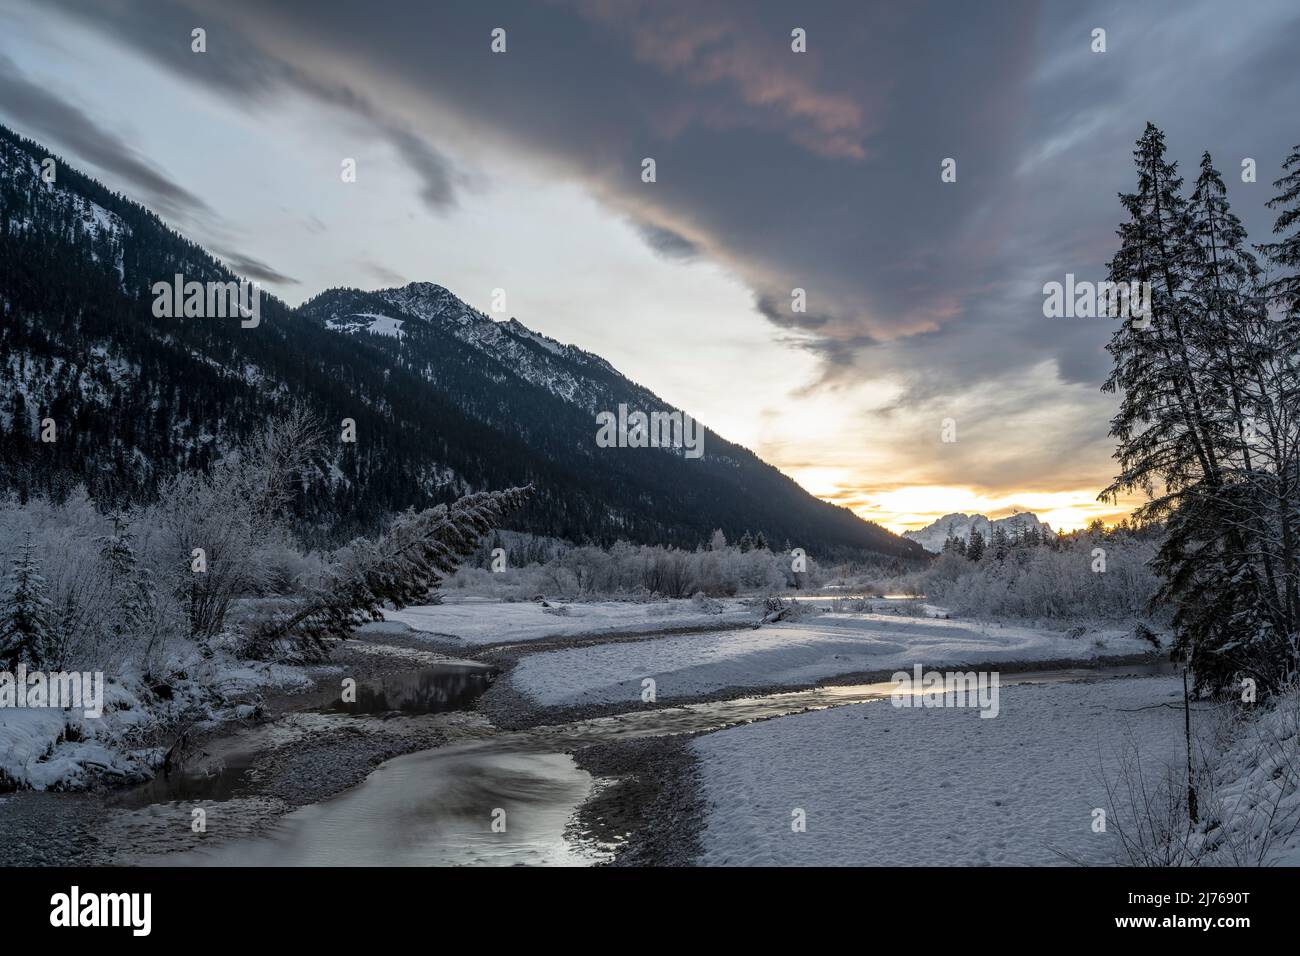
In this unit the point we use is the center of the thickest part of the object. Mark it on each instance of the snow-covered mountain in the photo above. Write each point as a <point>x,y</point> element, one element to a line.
<point>961,526</point>
<point>565,371</point>
<point>442,399</point>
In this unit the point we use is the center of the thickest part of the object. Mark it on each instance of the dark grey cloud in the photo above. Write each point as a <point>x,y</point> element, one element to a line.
<point>666,242</point>
<point>384,274</point>
<point>40,112</point>
<point>781,311</point>
<point>434,169</point>
<point>254,268</point>
<point>781,160</point>
<point>818,170</point>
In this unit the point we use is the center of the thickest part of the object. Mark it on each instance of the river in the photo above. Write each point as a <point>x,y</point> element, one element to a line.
<point>498,798</point>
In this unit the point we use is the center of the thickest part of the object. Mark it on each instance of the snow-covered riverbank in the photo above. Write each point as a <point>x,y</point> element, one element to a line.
<point>914,786</point>
<point>875,784</point>
<point>785,655</point>
<point>49,748</point>
<point>879,785</point>
<point>480,622</point>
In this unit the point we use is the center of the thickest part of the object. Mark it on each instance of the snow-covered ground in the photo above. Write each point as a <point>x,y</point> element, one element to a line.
<point>35,751</point>
<point>881,785</point>
<point>1256,792</point>
<point>796,653</point>
<point>49,748</point>
<point>477,622</point>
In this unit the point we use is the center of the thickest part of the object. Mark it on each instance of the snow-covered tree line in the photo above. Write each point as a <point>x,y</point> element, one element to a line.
<point>1208,426</point>
<point>1096,574</point>
<point>641,572</point>
<point>212,567</point>
<point>1000,542</point>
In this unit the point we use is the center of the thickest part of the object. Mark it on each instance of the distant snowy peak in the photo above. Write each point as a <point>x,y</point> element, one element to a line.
<point>962,526</point>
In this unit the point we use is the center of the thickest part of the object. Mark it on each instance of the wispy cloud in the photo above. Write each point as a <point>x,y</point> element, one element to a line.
<point>254,268</point>
<point>34,107</point>
<point>385,275</point>
<point>241,62</point>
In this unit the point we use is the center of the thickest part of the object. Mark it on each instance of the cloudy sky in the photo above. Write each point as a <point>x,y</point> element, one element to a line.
<point>776,170</point>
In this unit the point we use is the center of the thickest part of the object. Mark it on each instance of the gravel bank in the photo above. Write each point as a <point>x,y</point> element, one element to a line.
<point>654,811</point>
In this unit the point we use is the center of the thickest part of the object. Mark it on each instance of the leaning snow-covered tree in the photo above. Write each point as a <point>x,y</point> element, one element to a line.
<point>401,567</point>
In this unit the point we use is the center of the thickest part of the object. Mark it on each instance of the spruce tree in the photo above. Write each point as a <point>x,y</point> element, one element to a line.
<point>1283,290</point>
<point>1000,544</point>
<point>1241,341</point>
<point>130,583</point>
<point>26,632</point>
<point>1198,412</point>
<point>1166,439</point>
<point>975,547</point>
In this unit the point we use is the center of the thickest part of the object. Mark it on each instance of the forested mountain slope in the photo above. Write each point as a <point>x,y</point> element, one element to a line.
<point>445,400</point>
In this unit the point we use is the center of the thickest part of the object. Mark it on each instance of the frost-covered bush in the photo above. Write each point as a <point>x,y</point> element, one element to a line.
<point>235,514</point>
<point>853,605</point>
<point>631,572</point>
<point>123,593</point>
<point>105,612</point>
<point>706,604</point>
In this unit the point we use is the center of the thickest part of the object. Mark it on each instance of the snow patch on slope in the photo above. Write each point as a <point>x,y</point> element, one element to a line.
<point>371,322</point>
